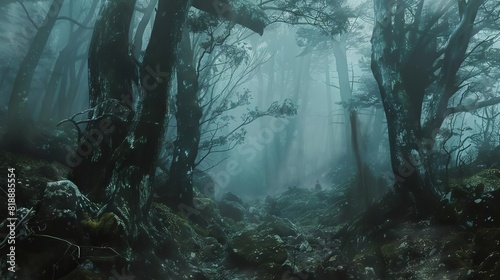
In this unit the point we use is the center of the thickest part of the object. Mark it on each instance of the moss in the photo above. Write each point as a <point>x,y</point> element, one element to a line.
<point>490,178</point>
<point>107,230</point>
<point>178,226</point>
<point>32,174</point>
<point>256,249</point>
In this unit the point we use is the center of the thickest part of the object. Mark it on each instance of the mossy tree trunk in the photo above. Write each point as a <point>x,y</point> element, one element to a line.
<point>111,73</point>
<point>129,191</point>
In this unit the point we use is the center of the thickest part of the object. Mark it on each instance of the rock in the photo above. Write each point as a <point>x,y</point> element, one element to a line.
<point>488,178</point>
<point>277,226</point>
<point>211,250</point>
<point>232,207</point>
<point>62,207</point>
<point>228,196</point>
<point>204,183</point>
<point>398,253</point>
<point>255,250</point>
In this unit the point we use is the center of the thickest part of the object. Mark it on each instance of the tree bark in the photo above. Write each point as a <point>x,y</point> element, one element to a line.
<point>111,72</point>
<point>130,193</point>
<point>139,32</point>
<point>188,117</point>
<point>408,164</point>
<point>340,53</point>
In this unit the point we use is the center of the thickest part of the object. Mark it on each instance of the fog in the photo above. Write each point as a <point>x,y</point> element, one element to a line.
<point>326,127</point>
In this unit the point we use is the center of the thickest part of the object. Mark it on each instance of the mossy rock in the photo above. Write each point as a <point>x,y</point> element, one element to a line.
<point>256,250</point>
<point>232,210</point>
<point>32,174</point>
<point>179,228</point>
<point>490,178</point>
<point>277,226</point>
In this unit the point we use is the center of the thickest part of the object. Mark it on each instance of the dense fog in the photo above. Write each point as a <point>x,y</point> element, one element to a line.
<point>352,126</point>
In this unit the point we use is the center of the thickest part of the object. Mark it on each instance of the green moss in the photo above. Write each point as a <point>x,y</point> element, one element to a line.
<point>178,226</point>
<point>107,230</point>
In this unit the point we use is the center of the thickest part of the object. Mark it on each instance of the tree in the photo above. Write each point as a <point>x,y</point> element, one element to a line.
<point>130,187</point>
<point>19,123</point>
<point>418,51</point>
<point>208,74</point>
<point>110,98</point>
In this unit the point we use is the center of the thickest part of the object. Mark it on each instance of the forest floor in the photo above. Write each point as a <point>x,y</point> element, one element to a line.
<point>300,234</point>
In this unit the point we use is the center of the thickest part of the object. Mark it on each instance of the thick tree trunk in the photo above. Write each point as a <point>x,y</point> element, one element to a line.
<point>188,115</point>
<point>130,191</point>
<point>413,182</point>
<point>111,72</point>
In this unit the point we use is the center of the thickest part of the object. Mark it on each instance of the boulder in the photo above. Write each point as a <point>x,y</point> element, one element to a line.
<point>255,250</point>
<point>232,207</point>
<point>62,207</point>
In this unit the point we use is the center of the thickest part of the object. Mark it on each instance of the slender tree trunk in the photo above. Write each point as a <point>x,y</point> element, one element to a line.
<point>139,32</point>
<point>75,38</point>
<point>340,53</point>
<point>329,110</point>
<point>18,117</point>
<point>188,117</point>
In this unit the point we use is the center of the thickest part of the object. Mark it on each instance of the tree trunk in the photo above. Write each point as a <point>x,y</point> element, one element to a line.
<point>340,53</point>
<point>111,72</point>
<point>135,160</point>
<point>330,135</point>
<point>139,32</point>
<point>413,184</point>
<point>403,73</point>
<point>18,119</point>
<point>188,117</point>
<point>75,39</point>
